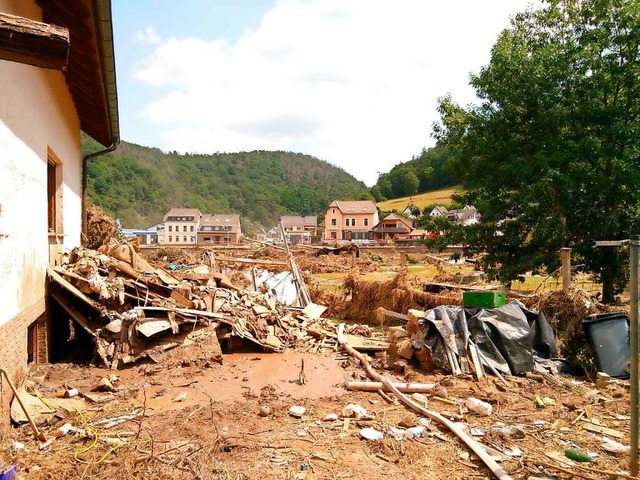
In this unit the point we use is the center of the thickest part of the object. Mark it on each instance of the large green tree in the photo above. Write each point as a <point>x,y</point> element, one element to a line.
<point>552,148</point>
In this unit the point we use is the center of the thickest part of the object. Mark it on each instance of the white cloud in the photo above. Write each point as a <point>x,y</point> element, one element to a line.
<point>354,83</point>
<point>148,35</point>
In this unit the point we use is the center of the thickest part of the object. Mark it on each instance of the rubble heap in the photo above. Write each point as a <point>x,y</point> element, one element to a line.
<point>132,309</point>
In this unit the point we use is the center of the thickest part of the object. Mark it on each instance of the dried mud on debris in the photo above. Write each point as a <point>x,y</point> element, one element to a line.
<point>165,402</point>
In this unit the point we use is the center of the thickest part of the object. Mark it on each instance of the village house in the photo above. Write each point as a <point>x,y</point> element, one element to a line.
<point>180,227</point>
<point>299,229</point>
<point>219,229</point>
<point>391,226</point>
<point>468,215</point>
<point>350,220</point>
<point>57,78</point>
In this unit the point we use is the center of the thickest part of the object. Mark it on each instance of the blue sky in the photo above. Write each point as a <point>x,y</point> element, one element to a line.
<point>353,82</point>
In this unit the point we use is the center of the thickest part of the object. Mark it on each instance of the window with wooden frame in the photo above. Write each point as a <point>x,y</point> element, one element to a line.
<point>54,193</point>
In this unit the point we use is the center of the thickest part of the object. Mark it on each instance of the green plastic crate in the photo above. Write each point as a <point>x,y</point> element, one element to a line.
<point>483,299</point>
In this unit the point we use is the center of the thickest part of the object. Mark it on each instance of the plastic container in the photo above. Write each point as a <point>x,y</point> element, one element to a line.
<point>478,406</point>
<point>608,336</point>
<point>483,299</point>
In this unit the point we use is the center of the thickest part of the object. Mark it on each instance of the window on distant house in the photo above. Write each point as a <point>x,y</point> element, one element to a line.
<point>334,222</point>
<point>333,235</point>
<point>347,221</point>
<point>191,228</point>
<point>184,239</point>
<point>170,238</point>
<point>366,222</point>
<point>184,228</point>
<point>170,227</point>
<point>333,210</point>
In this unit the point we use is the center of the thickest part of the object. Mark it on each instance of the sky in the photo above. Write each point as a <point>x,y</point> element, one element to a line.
<point>352,82</point>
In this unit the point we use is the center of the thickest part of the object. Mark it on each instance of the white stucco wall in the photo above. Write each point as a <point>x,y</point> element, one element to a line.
<point>36,113</point>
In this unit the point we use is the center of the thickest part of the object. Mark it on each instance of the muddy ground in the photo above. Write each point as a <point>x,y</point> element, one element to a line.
<point>216,431</point>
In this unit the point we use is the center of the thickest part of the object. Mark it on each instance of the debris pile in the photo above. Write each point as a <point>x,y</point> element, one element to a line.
<point>508,340</point>
<point>132,309</point>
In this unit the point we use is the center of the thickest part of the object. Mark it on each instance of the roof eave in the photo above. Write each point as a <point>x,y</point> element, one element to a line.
<point>104,35</point>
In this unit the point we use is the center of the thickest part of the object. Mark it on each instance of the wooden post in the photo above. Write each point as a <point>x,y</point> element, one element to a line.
<point>34,43</point>
<point>403,259</point>
<point>353,259</point>
<point>565,257</point>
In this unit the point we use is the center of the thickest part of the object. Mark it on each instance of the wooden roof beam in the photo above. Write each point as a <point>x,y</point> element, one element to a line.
<point>33,43</point>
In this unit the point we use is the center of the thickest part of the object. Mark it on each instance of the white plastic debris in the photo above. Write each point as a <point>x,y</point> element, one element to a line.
<point>417,432</point>
<point>353,410</point>
<point>64,429</point>
<point>514,452</point>
<point>425,422</point>
<point>301,433</point>
<point>612,446</point>
<point>297,411</point>
<point>371,434</point>
<point>18,445</point>
<point>478,406</point>
<point>180,398</point>
<point>332,417</point>
<point>397,433</point>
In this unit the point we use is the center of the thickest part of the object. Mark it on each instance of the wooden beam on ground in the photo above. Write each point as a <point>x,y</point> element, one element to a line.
<point>496,469</point>
<point>34,43</point>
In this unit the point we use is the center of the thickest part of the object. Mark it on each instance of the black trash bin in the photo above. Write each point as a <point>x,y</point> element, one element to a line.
<point>608,335</point>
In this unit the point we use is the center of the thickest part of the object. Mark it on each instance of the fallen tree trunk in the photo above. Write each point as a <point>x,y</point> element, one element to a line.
<point>496,469</point>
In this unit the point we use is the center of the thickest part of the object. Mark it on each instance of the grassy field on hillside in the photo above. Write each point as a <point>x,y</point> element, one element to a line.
<point>441,197</point>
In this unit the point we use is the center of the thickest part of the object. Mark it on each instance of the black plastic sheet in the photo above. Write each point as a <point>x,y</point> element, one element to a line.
<point>508,337</point>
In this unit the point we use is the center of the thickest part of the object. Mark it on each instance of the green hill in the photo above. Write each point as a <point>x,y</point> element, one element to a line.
<point>139,184</point>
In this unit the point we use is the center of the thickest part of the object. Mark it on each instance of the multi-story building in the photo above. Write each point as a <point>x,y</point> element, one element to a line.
<point>299,229</point>
<point>219,229</point>
<point>180,227</point>
<point>350,220</point>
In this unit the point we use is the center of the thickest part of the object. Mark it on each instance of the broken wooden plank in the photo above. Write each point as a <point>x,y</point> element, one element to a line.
<point>152,326</point>
<point>68,286</point>
<point>403,387</point>
<point>592,427</point>
<point>313,311</point>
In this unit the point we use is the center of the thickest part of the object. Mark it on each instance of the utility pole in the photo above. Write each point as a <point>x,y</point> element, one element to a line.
<point>634,247</point>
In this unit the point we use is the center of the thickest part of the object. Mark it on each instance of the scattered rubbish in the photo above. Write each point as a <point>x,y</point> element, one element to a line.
<point>353,410</point>
<point>265,410</point>
<point>417,431</point>
<point>478,406</point>
<point>104,385</point>
<point>297,411</point>
<point>67,393</point>
<point>516,433</point>
<point>180,397</point>
<point>514,452</point>
<point>9,473</point>
<point>370,433</point>
<point>18,445</point>
<point>331,417</point>
<point>612,446</point>
<point>548,402</point>
<point>301,433</point>
<point>577,456</point>
<point>539,402</point>
<point>304,466</point>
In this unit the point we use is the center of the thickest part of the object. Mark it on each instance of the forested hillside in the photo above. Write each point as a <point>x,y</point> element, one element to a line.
<point>430,170</point>
<point>139,184</point>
